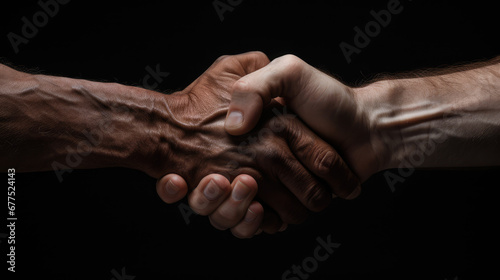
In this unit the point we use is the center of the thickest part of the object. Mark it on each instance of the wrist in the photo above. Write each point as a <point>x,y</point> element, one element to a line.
<point>100,124</point>
<point>160,135</point>
<point>424,121</point>
<point>371,99</point>
<point>406,119</point>
<point>144,130</point>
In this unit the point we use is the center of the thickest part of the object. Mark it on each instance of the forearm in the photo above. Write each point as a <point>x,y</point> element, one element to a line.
<point>449,120</point>
<point>49,123</point>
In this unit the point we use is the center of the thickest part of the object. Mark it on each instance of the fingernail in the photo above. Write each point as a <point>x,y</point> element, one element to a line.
<point>234,119</point>
<point>354,193</point>
<point>212,191</point>
<point>171,188</point>
<point>240,191</point>
<point>250,216</point>
<point>283,227</point>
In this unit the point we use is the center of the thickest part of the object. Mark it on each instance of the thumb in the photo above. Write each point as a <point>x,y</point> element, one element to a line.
<point>171,188</point>
<point>282,77</point>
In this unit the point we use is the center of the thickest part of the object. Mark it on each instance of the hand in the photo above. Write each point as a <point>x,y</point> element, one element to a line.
<point>329,107</point>
<point>247,215</point>
<point>274,158</point>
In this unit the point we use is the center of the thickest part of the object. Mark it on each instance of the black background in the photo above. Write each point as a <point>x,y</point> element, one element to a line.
<point>435,225</point>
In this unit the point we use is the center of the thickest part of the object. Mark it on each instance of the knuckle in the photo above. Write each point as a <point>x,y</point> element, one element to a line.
<point>302,142</point>
<point>225,60</point>
<point>271,154</point>
<point>242,86</point>
<point>286,165</point>
<point>222,57</point>
<point>253,92</point>
<point>258,56</point>
<point>324,162</point>
<point>291,129</point>
<point>291,62</point>
<point>289,59</point>
<point>317,197</point>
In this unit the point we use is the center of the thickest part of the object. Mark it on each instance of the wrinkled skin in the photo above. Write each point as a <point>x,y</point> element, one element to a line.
<point>281,153</point>
<point>60,123</point>
<point>331,109</point>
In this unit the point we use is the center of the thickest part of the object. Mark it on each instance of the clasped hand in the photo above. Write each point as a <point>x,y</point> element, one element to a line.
<point>296,170</point>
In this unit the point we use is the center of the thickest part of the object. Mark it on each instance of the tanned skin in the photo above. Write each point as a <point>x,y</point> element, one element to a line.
<point>439,118</point>
<point>52,123</point>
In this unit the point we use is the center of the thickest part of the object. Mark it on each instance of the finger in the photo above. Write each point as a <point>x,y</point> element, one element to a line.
<point>245,63</point>
<point>288,208</point>
<point>254,91</point>
<point>271,222</point>
<point>210,193</point>
<point>240,64</point>
<point>171,188</point>
<point>309,190</point>
<point>322,160</point>
<point>252,61</point>
<point>234,208</point>
<point>251,222</point>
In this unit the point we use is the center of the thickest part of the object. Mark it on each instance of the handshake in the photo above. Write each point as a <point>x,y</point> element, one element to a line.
<point>236,122</point>
<point>258,144</point>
